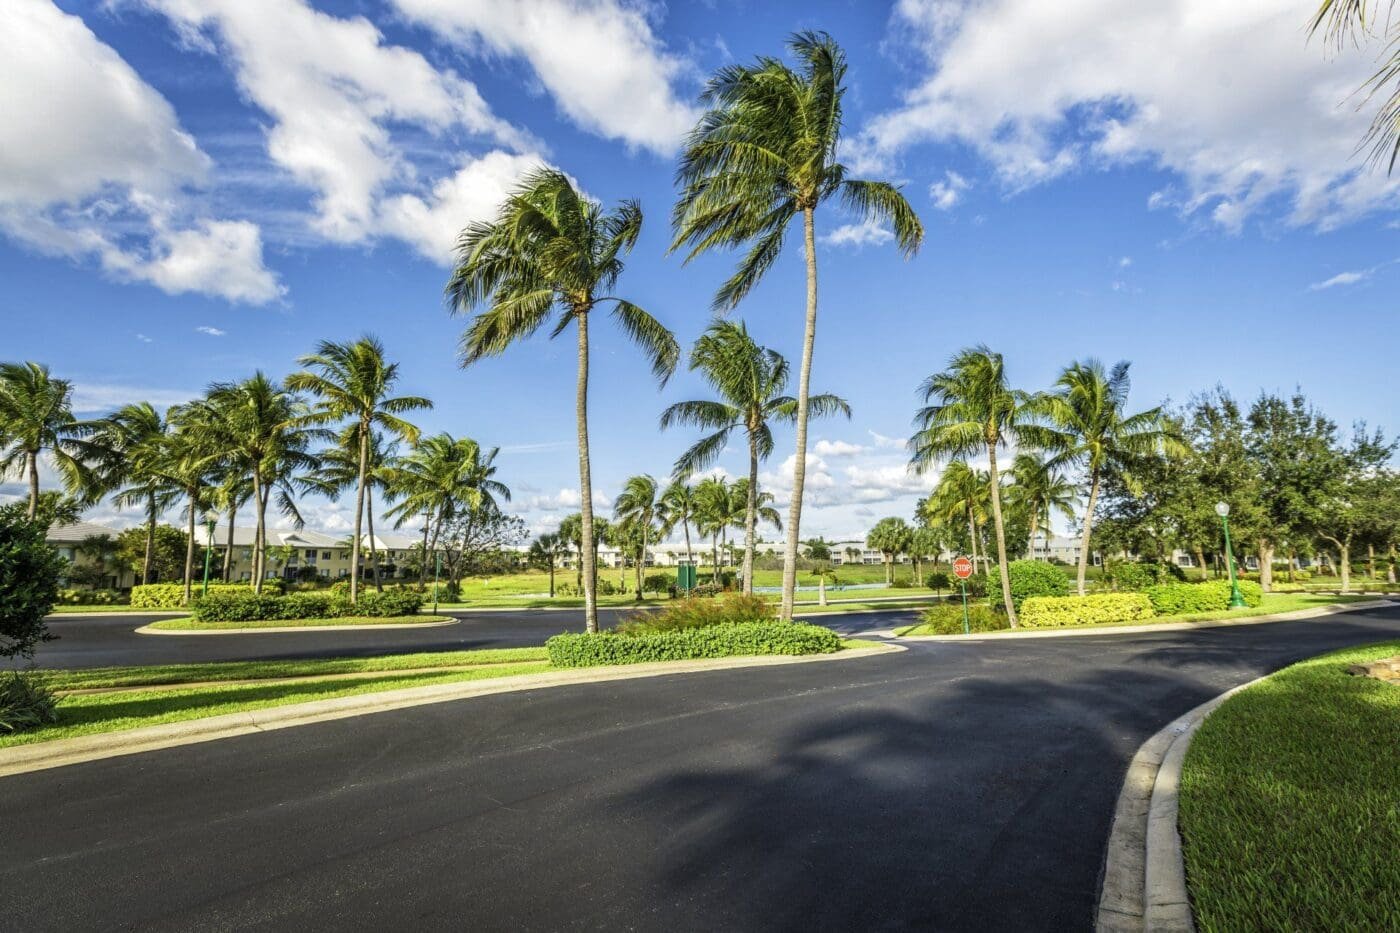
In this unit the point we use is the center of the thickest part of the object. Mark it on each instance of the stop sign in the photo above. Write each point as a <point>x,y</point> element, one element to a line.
<point>962,568</point>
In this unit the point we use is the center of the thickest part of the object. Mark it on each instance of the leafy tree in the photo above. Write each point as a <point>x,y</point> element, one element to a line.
<point>972,409</point>
<point>1357,486</point>
<point>354,382</point>
<point>636,507</point>
<point>472,534</point>
<point>166,552</point>
<point>30,571</point>
<point>750,381</point>
<point>762,155</point>
<point>102,564</point>
<point>36,416</point>
<point>551,250</point>
<point>891,537</point>
<point>817,549</point>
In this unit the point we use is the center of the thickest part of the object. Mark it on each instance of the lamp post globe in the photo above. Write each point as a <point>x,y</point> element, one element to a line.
<point>1222,509</point>
<point>1236,597</point>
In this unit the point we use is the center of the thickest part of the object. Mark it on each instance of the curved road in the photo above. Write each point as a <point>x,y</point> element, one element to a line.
<point>952,786</point>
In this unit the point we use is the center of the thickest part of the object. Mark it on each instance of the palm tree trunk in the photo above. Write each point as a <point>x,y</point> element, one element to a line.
<point>1030,546</point>
<point>359,511</point>
<point>804,379</point>
<point>228,541</point>
<point>193,493</point>
<point>689,554</point>
<point>32,462</point>
<point>150,539</point>
<point>588,563</point>
<point>423,564</point>
<point>551,576</point>
<point>373,547</point>
<point>751,516</point>
<point>259,534</point>
<point>972,536</point>
<point>1088,527</point>
<point>1001,536</point>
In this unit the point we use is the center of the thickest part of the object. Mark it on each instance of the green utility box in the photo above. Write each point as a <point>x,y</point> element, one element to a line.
<point>685,577</point>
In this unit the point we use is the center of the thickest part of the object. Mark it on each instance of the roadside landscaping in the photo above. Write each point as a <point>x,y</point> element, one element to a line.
<point>1288,802</point>
<point>191,624</point>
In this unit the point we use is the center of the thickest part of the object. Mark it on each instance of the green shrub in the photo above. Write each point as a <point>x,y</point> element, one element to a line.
<point>706,589</point>
<point>658,583</point>
<point>25,703</point>
<point>714,641</point>
<point>938,581</point>
<point>1053,611</point>
<point>1136,576</point>
<point>29,573</point>
<point>901,583</point>
<point>1036,578</point>
<point>172,595</point>
<point>728,609</point>
<point>947,618</point>
<point>73,597</point>
<point>250,607</point>
<point>1214,596</point>
<point>400,602</point>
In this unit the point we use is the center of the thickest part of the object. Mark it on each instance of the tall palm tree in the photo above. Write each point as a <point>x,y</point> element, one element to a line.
<point>971,409</point>
<point>678,508</point>
<point>753,505</point>
<point>126,437</point>
<point>1342,21</point>
<point>637,506</point>
<point>36,416</point>
<point>552,251</point>
<point>353,382</point>
<point>1042,491</point>
<point>750,380</point>
<point>962,494</point>
<point>763,154</point>
<point>714,512</point>
<point>1088,427</point>
<point>189,459</point>
<point>338,470</point>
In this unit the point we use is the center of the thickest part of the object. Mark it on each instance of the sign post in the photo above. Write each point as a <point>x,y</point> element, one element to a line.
<point>962,569</point>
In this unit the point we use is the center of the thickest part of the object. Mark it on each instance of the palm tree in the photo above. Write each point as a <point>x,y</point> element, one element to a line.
<point>637,506</point>
<point>714,513</point>
<point>36,415</point>
<point>353,382</point>
<point>754,505</point>
<point>547,549</point>
<point>924,541</point>
<point>750,380</point>
<point>763,154</point>
<point>1087,426</point>
<point>853,555</point>
<point>972,409</point>
<point>891,537</point>
<point>962,494</point>
<point>1341,21</point>
<point>678,508</point>
<point>126,438</point>
<point>189,459</point>
<point>1042,491</point>
<point>550,249</point>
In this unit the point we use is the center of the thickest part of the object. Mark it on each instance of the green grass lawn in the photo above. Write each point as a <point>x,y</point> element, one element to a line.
<point>68,610</point>
<point>190,624</point>
<point>1273,603</point>
<point>1290,813</point>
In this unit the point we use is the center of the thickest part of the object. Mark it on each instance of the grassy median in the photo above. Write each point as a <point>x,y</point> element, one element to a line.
<point>1290,802</point>
<point>191,624</point>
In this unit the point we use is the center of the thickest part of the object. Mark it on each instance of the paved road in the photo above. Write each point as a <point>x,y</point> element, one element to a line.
<point>952,787</point>
<point>101,641</point>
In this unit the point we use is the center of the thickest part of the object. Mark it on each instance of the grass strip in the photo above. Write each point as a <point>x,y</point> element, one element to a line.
<point>1290,815</point>
<point>190,624</point>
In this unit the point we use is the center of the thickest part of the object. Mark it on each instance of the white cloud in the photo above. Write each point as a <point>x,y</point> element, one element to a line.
<point>948,192</point>
<point>94,164</point>
<point>1125,262</point>
<point>143,338</point>
<point>566,499</point>
<point>91,397</point>
<point>211,331</point>
<point>1231,98</point>
<point>865,233</point>
<point>886,443</point>
<point>825,448</point>
<point>600,61</point>
<point>1341,278</point>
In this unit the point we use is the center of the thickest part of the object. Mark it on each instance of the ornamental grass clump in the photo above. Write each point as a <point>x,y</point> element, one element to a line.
<point>728,609</point>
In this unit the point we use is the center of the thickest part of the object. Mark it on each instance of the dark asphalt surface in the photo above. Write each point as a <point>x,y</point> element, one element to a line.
<point>103,641</point>
<point>948,787</point>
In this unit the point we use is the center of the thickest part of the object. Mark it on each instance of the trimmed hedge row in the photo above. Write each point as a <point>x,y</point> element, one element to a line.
<point>1053,611</point>
<point>714,641</point>
<point>172,595</point>
<point>1171,599</point>
<point>247,606</point>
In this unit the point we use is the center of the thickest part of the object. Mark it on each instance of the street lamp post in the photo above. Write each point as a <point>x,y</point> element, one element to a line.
<point>1236,597</point>
<point>208,552</point>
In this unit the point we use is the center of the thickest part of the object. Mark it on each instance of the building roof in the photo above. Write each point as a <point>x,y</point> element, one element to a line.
<point>243,536</point>
<point>76,532</point>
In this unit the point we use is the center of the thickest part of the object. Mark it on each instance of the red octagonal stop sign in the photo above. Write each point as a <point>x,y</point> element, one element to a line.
<point>962,568</point>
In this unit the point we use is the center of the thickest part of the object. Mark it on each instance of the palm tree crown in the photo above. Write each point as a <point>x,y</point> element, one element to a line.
<point>36,415</point>
<point>636,507</point>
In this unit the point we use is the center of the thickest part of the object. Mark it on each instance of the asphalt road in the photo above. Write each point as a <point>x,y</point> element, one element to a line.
<point>951,787</point>
<point>102,641</point>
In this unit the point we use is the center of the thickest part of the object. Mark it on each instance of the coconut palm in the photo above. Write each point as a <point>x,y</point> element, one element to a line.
<point>971,409</point>
<point>962,495</point>
<point>189,458</point>
<point>125,437</point>
<point>924,541</point>
<point>547,549</point>
<point>715,513</point>
<point>891,537</point>
<point>750,381</point>
<point>763,154</point>
<point>36,417</point>
<point>678,508</point>
<point>339,471</point>
<point>1042,491</point>
<point>353,382</point>
<point>1346,21</point>
<point>1088,427</point>
<point>637,506</point>
<point>552,251</point>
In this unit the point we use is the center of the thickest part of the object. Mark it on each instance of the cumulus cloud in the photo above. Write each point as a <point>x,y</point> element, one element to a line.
<point>865,233</point>
<point>949,191</point>
<point>601,62</point>
<point>95,164</point>
<point>211,331</point>
<point>91,397</point>
<point>886,443</point>
<point>825,448</point>
<point>1227,96</point>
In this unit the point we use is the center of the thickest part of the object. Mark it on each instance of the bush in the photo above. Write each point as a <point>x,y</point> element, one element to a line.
<point>400,602</point>
<point>90,597</point>
<point>938,581</point>
<point>1036,578</point>
<point>901,583</point>
<point>1052,611</point>
<point>250,607</point>
<point>29,573</point>
<point>1136,576</point>
<point>172,595</point>
<point>947,618</point>
<point>25,703</point>
<point>729,609</point>
<point>1214,596</point>
<point>658,583</point>
<point>715,641</point>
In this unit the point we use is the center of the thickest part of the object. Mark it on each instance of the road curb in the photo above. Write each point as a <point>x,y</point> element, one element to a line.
<point>1296,615</point>
<point>60,616</point>
<point>1144,876</point>
<point>41,756</point>
<point>273,630</point>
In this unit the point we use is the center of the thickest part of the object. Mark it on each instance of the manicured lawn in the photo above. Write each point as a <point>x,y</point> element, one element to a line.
<point>858,605</point>
<point>1289,812</point>
<point>189,624</point>
<point>1273,603</point>
<point>66,610</point>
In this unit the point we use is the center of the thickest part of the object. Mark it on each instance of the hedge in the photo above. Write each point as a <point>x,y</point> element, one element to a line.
<point>1214,596</point>
<point>247,606</point>
<point>172,595</point>
<point>1053,611</point>
<point>715,641</point>
<point>1036,578</point>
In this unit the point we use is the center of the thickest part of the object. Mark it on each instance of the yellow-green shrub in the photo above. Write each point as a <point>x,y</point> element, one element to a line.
<point>1100,608</point>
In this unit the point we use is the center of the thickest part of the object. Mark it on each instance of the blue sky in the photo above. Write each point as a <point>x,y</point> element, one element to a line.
<point>194,189</point>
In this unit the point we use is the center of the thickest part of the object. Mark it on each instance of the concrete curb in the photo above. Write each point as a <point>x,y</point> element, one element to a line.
<point>273,630</point>
<point>22,759</point>
<point>1144,877</point>
<point>60,616</point>
<point>1296,615</point>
